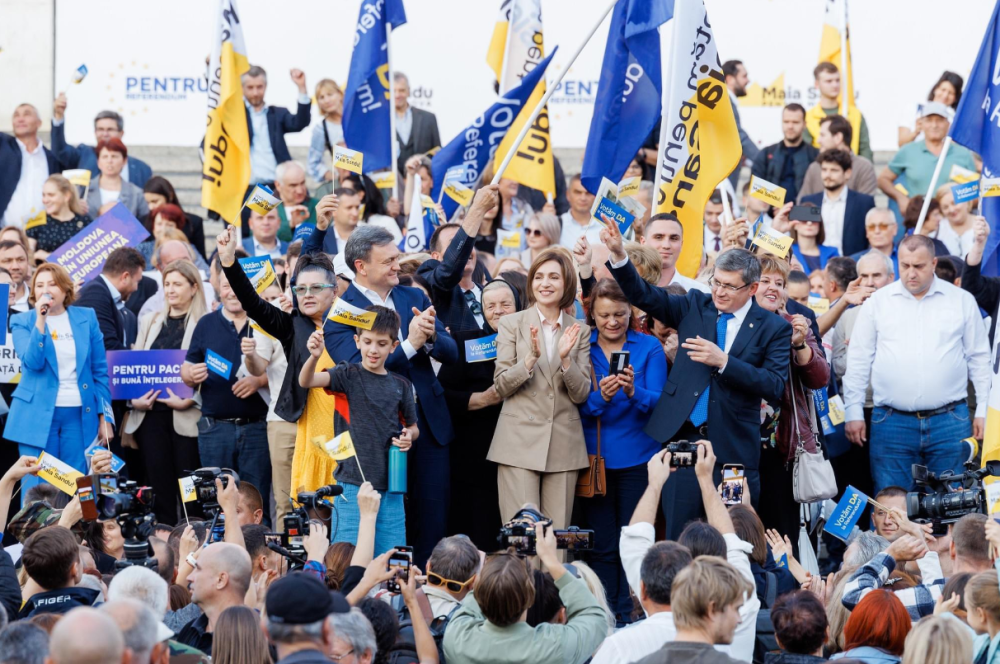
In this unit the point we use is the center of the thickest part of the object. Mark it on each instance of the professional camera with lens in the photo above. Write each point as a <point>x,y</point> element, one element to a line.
<point>205,489</point>
<point>296,521</point>
<point>682,453</point>
<point>104,497</point>
<point>519,533</point>
<point>946,498</point>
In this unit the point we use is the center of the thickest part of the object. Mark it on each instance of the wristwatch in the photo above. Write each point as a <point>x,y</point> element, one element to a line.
<point>191,560</point>
<point>799,347</point>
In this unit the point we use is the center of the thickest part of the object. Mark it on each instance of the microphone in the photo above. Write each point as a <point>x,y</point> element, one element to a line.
<point>45,307</point>
<point>282,551</point>
<point>329,491</point>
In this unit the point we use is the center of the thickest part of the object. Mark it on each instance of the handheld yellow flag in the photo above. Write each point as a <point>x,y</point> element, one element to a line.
<point>696,107</point>
<point>341,447</point>
<point>39,219</point>
<point>518,35</point>
<point>58,473</point>
<point>348,314</point>
<point>262,199</point>
<point>226,171</point>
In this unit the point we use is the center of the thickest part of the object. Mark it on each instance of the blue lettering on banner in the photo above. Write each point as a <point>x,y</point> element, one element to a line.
<point>821,399</point>
<point>846,514</point>
<point>963,193</point>
<point>164,88</point>
<point>218,364</point>
<point>612,210</point>
<point>482,349</point>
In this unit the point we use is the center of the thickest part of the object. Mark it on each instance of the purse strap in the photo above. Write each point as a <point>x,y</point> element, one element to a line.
<point>593,377</point>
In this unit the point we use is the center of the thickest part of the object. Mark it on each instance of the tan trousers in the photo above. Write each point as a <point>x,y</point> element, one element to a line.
<point>552,493</point>
<point>281,444</point>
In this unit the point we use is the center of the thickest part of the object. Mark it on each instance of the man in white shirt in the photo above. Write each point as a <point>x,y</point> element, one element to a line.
<point>578,222</point>
<point>264,235</point>
<point>664,233</point>
<point>920,341</point>
<point>637,547</point>
<point>29,164</point>
<point>714,242</point>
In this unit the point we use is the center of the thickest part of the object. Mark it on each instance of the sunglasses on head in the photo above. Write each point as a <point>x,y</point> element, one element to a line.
<point>453,586</point>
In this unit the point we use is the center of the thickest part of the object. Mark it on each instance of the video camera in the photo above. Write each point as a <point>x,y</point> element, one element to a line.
<point>205,489</point>
<point>103,497</point>
<point>937,502</point>
<point>519,533</point>
<point>296,524</point>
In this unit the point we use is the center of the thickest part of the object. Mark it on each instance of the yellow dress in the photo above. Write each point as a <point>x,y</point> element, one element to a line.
<point>312,467</point>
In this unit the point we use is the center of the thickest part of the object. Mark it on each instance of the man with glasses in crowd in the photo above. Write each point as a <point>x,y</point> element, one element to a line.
<point>733,354</point>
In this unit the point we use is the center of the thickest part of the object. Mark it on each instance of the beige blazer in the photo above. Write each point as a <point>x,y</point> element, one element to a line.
<point>185,421</point>
<point>539,427</point>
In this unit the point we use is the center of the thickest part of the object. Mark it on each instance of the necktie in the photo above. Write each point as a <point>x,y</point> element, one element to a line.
<point>718,245</point>
<point>699,414</point>
<point>473,302</point>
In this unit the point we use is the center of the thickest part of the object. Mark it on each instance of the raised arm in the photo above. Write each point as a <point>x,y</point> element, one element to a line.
<point>271,319</point>
<point>447,273</point>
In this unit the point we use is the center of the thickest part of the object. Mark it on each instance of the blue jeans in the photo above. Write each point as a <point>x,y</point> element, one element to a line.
<point>65,442</point>
<point>898,441</point>
<point>240,447</point>
<point>390,524</point>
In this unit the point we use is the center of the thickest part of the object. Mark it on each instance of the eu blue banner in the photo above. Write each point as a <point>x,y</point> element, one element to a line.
<point>977,127</point>
<point>133,373</point>
<point>366,122</point>
<point>475,145</point>
<point>84,254</point>
<point>629,91</point>
<point>846,514</point>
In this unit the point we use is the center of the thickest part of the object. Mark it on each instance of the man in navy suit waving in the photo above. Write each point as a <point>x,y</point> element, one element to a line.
<point>733,355</point>
<point>373,255</point>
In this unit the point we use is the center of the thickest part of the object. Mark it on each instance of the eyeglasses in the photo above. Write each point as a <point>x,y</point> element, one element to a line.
<point>309,289</point>
<point>453,586</point>
<point>714,283</point>
<point>881,225</point>
<point>337,658</point>
<point>533,231</point>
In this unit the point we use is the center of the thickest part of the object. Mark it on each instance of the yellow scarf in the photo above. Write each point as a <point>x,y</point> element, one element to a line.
<point>816,114</point>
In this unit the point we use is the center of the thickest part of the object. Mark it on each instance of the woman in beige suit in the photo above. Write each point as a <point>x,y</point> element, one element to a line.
<point>164,426</point>
<point>542,373</point>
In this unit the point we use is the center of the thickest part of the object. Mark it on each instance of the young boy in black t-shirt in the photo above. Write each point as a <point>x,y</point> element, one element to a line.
<point>379,412</point>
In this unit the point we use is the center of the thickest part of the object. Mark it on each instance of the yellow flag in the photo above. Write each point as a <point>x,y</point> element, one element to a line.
<point>226,171</point>
<point>699,111</point>
<point>522,44</point>
<point>341,447</point>
<point>835,22</point>
<point>37,220</point>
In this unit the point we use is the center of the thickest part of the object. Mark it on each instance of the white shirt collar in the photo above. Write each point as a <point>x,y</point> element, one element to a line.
<point>842,197</point>
<point>541,317</point>
<point>115,293</point>
<point>935,288</point>
<point>24,148</point>
<point>375,297</point>
<point>740,314</point>
<point>250,108</point>
<point>258,248</point>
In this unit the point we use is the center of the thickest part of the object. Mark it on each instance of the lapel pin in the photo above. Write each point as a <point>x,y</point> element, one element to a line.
<point>751,325</point>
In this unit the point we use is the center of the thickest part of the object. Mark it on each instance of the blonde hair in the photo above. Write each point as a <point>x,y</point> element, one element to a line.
<point>187,270</point>
<point>596,588</point>
<point>773,265</point>
<point>66,187</point>
<point>836,613</point>
<point>938,640</point>
<point>709,583</point>
<point>983,592</point>
<point>549,225</point>
<point>519,266</point>
<point>169,234</point>
<point>330,85</point>
<point>647,261</point>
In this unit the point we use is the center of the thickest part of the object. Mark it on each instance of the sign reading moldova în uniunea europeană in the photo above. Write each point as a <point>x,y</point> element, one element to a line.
<point>84,254</point>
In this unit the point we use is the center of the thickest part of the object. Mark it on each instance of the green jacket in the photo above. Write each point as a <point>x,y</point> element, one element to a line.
<point>470,639</point>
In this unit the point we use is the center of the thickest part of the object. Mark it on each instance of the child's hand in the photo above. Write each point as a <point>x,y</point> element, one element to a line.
<point>315,343</point>
<point>403,442</point>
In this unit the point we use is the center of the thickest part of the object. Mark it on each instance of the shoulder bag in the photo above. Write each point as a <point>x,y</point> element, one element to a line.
<point>591,481</point>
<point>812,474</point>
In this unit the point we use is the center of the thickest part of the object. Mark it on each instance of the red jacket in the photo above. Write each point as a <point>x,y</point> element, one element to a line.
<point>803,378</point>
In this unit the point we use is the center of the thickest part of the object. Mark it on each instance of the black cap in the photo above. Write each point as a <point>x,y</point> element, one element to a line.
<point>301,599</point>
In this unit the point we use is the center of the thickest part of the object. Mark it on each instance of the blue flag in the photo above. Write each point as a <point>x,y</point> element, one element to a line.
<point>846,513</point>
<point>629,91</point>
<point>977,127</point>
<point>475,145</point>
<point>366,122</point>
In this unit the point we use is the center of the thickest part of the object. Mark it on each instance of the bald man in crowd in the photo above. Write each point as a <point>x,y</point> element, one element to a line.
<point>220,580</point>
<point>86,636</point>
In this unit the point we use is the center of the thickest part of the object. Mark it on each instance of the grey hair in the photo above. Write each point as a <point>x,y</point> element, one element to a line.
<point>254,72</point>
<point>869,544</point>
<point>110,115</point>
<point>142,585</point>
<point>24,643</point>
<point>138,624</point>
<point>886,260</point>
<point>739,260</point>
<point>288,634</point>
<point>283,167</point>
<point>362,241</point>
<point>354,628</point>
<point>400,76</point>
<point>877,211</point>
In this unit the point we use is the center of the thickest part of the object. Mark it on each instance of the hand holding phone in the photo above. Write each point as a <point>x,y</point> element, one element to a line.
<point>401,561</point>
<point>732,487</point>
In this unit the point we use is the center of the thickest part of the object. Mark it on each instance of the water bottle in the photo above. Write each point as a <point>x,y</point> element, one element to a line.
<point>397,470</point>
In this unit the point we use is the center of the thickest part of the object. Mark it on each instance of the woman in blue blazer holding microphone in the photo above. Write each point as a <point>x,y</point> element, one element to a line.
<point>57,406</point>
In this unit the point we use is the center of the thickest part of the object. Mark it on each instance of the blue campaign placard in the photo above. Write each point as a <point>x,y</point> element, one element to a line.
<point>84,254</point>
<point>846,514</point>
<point>4,293</point>
<point>303,231</point>
<point>963,193</point>
<point>482,349</point>
<point>218,364</point>
<point>611,210</point>
<point>133,373</point>
<point>116,463</point>
<point>109,414</point>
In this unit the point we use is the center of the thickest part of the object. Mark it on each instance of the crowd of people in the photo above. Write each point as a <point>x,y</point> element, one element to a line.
<point>572,377</point>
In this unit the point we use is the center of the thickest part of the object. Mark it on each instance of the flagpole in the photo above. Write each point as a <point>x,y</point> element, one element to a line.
<point>930,188</point>
<point>392,103</point>
<point>845,63</point>
<point>548,93</point>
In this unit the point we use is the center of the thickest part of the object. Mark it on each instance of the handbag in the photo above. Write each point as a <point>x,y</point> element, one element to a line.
<point>812,474</point>
<point>591,481</point>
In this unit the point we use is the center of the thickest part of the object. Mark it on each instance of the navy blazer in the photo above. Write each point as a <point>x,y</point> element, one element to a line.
<point>10,168</point>
<point>340,344</point>
<point>248,246</point>
<point>757,368</point>
<point>281,121</point>
<point>444,276</point>
<point>317,242</point>
<point>855,238</point>
<point>83,156</point>
<point>97,296</point>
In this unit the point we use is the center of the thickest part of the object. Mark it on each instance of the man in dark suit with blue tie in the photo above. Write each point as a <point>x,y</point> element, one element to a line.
<point>733,355</point>
<point>374,257</point>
